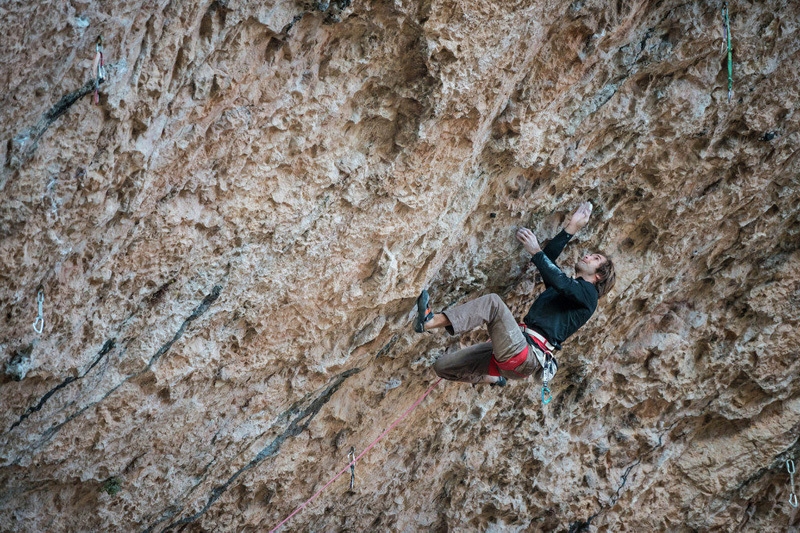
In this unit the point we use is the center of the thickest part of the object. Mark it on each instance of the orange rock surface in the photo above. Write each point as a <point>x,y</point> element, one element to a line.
<point>230,244</point>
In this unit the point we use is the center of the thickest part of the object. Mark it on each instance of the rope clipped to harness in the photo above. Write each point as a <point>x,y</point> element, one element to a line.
<point>726,41</point>
<point>98,69</point>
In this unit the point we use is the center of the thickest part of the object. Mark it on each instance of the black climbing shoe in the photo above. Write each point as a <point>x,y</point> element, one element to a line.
<point>423,311</point>
<point>501,382</point>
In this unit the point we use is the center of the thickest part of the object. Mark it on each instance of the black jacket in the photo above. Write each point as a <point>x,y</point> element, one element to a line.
<point>566,304</point>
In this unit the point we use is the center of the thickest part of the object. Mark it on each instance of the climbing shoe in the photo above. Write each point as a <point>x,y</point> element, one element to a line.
<point>424,312</point>
<point>501,382</point>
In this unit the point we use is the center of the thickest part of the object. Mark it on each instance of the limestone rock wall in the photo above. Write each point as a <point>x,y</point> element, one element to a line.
<point>230,244</point>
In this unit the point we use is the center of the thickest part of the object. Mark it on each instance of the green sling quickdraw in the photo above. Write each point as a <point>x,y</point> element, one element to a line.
<point>726,36</point>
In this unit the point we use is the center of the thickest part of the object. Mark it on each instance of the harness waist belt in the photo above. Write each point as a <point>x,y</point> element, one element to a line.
<point>533,338</point>
<point>543,343</point>
<point>544,355</point>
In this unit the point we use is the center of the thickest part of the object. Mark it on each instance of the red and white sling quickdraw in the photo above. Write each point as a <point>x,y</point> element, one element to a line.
<point>98,69</point>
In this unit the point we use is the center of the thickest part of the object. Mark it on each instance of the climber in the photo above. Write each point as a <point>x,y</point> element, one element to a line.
<point>518,351</point>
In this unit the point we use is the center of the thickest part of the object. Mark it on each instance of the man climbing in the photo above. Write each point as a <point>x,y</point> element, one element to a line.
<point>518,351</point>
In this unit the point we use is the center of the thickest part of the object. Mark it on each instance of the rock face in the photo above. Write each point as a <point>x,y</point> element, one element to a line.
<point>230,244</point>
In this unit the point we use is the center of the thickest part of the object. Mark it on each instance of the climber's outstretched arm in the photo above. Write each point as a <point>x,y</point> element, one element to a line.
<point>551,274</point>
<point>579,219</point>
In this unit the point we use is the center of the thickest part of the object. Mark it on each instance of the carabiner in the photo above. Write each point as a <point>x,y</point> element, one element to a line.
<point>546,396</point>
<point>38,324</point>
<point>352,457</point>
<point>793,500</point>
<point>790,466</point>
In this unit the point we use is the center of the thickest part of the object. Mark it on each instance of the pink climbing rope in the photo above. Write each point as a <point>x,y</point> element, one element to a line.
<point>343,470</point>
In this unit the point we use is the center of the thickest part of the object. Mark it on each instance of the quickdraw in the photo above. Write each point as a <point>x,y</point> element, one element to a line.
<point>543,351</point>
<point>549,369</point>
<point>726,41</point>
<point>548,372</point>
<point>38,324</point>
<point>352,457</point>
<point>792,495</point>
<point>98,69</point>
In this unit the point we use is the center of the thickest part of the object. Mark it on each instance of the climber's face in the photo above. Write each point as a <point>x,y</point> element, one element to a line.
<point>588,264</point>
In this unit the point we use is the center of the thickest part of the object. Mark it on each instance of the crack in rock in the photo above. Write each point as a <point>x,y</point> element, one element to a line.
<point>107,347</point>
<point>296,426</point>
<point>778,463</point>
<point>202,308</point>
<point>579,526</point>
<point>22,146</point>
<point>199,310</point>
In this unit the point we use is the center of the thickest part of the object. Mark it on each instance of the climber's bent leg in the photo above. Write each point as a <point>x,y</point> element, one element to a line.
<point>507,339</point>
<point>468,365</point>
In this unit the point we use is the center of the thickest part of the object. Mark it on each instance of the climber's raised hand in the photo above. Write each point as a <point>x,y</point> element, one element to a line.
<point>528,240</point>
<point>579,218</point>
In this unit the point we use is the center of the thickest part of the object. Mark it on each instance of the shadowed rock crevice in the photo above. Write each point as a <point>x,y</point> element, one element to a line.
<point>48,434</point>
<point>197,313</point>
<point>107,347</point>
<point>23,145</point>
<point>301,417</point>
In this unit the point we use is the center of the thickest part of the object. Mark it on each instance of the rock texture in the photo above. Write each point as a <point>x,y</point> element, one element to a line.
<point>229,247</point>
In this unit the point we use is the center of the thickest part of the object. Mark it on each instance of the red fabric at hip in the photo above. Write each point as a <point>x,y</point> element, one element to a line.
<point>495,366</point>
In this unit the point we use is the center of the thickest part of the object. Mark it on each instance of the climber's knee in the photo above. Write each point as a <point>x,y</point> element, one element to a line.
<point>441,370</point>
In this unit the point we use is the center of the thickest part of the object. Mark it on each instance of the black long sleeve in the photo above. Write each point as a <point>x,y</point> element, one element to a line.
<point>572,288</point>
<point>566,304</point>
<point>556,245</point>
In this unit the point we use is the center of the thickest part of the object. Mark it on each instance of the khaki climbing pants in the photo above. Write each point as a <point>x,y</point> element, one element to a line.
<point>471,364</point>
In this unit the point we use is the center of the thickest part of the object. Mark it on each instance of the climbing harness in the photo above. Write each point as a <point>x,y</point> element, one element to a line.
<point>726,41</point>
<point>510,365</point>
<point>98,69</point>
<point>38,324</point>
<point>544,353</point>
<point>792,495</point>
<point>353,462</point>
<point>352,457</point>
